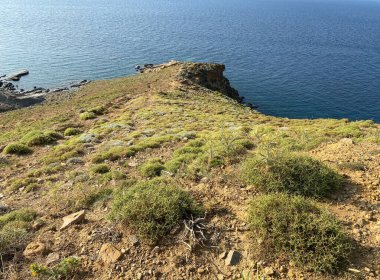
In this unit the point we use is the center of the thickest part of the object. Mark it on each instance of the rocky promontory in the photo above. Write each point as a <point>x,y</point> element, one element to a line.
<point>166,175</point>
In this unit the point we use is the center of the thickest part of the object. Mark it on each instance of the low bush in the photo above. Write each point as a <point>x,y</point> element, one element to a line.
<point>152,208</point>
<point>70,131</point>
<point>17,149</point>
<point>23,215</point>
<point>13,237</point>
<point>87,116</point>
<point>296,227</point>
<point>289,173</point>
<point>99,110</point>
<point>179,162</point>
<point>53,134</point>
<point>114,154</point>
<point>152,168</point>
<point>39,138</point>
<point>100,169</point>
<point>14,230</point>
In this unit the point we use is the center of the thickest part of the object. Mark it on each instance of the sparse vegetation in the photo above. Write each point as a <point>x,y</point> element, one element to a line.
<point>82,195</point>
<point>199,156</point>
<point>152,208</point>
<point>297,227</point>
<point>65,269</point>
<point>353,166</point>
<point>291,173</point>
<point>27,183</point>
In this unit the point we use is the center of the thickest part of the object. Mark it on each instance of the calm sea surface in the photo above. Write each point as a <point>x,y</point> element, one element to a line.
<point>292,58</point>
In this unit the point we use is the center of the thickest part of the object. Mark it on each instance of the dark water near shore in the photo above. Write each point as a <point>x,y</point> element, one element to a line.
<point>292,58</point>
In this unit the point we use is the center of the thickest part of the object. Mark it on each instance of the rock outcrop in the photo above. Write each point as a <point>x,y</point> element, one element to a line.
<point>209,75</point>
<point>11,99</point>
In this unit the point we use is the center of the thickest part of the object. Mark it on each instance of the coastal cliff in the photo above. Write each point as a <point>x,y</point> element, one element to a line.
<point>167,175</point>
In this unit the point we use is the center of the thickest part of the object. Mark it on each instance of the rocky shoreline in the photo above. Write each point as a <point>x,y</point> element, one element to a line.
<point>12,98</point>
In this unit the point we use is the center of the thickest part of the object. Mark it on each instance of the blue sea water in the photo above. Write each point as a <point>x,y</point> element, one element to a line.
<point>291,58</point>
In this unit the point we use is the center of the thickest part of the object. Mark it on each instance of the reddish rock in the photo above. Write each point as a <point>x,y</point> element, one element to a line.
<point>109,254</point>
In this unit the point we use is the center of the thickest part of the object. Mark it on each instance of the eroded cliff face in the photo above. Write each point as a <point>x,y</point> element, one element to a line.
<point>209,75</point>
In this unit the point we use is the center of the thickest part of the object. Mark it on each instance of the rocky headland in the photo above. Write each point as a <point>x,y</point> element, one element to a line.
<point>167,175</point>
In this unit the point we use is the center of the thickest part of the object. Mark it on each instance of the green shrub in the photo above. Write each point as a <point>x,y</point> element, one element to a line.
<point>39,138</point>
<point>114,153</point>
<point>87,116</point>
<point>176,163</point>
<point>100,169</point>
<point>99,110</point>
<point>152,168</point>
<point>13,237</point>
<point>70,131</point>
<point>65,269</point>
<point>196,143</point>
<point>17,149</point>
<point>291,174</point>
<point>53,134</point>
<point>153,142</point>
<point>22,215</point>
<point>14,230</point>
<point>152,208</point>
<point>187,150</point>
<point>296,227</point>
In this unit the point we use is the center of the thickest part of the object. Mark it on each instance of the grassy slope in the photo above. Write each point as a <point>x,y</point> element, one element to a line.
<point>151,115</point>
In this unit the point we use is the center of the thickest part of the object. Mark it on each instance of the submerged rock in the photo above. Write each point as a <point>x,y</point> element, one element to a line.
<point>16,75</point>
